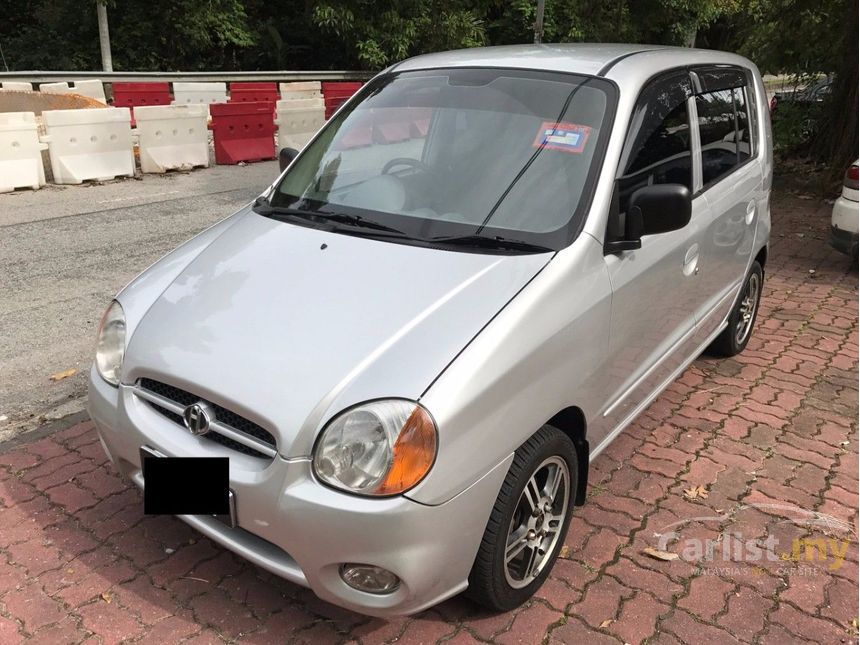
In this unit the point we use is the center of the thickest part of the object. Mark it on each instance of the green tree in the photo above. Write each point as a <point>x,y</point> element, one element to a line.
<point>154,35</point>
<point>382,33</point>
<point>810,38</point>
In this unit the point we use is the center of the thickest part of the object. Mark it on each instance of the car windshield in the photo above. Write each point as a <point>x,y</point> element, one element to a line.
<point>459,153</point>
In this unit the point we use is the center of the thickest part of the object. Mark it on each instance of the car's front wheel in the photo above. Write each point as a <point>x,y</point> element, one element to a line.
<point>735,337</point>
<point>526,529</point>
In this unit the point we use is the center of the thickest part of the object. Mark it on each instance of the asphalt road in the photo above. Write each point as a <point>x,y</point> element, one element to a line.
<point>66,250</point>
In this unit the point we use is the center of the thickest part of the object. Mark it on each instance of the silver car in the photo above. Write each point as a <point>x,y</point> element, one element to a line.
<point>413,343</point>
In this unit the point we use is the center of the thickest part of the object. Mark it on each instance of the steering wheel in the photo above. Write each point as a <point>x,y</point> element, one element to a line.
<point>404,161</point>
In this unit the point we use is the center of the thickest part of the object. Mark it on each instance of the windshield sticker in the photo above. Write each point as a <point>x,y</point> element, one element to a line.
<point>568,137</point>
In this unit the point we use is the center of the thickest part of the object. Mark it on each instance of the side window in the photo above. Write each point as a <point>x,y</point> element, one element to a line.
<point>727,128</point>
<point>658,150</point>
<point>718,134</point>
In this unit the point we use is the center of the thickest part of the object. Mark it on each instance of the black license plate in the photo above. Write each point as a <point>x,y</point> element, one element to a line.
<point>187,486</point>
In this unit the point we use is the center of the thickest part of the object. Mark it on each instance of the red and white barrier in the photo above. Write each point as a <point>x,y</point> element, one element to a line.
<point>16,86</point>
<point>336,93</point>
<point>172,137</point>
<point>89,144</point>
<point>298,120</point>
<point>92,89</point>
<point>55,88</point>
<point>243,131</point>
<point>20,152</point>
<point>199,93</point>
<point>301,90</point>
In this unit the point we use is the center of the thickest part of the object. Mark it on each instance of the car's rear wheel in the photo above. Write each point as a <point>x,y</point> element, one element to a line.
<point>736,335</point>
<point>528,523</point>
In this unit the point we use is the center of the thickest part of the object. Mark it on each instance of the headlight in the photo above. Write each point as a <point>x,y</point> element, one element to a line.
<point>378,448</point>
<point>110,346</point>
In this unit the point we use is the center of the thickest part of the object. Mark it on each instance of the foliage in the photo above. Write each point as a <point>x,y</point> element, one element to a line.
<point>63,34</point>
<point>386,32</point>
<point>808,37</point>
<point>795,125</point>
<point>782,36</point>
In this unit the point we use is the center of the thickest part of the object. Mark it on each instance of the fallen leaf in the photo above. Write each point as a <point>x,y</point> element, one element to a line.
<point>59,376</point>
<point>106,597</point>
<point>564,552</point>
<point>697,492</point>
<point>666,556</point>
<point>606,623</point>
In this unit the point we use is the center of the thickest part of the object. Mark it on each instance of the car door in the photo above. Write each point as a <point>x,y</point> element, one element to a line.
<point>654,291</point>
<point>732,185</point>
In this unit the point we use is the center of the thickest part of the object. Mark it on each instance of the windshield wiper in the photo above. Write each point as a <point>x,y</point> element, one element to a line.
<point>495,242</point>
<point>262,206</point>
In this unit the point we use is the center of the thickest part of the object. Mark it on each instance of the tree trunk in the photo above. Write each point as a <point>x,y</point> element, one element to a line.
<point>836,141</point>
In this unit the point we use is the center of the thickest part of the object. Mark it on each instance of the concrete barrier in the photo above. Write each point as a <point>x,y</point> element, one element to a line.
<point>20,152</point>
<point>172,137</point>
<point>89,144</point>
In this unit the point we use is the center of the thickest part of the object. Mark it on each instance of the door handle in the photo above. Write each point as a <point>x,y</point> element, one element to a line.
<point>751,209</point>
<point>691,260</point>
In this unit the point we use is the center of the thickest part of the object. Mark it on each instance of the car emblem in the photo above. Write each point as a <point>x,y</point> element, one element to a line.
<point>197,418</point>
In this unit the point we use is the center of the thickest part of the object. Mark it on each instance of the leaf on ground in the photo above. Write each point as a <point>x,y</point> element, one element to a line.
<point>697,492</point>
<point>106,597</point>
<point>657,554</point>
<point>606,623</point>
<point>564,552</point>
<point>59,376</point>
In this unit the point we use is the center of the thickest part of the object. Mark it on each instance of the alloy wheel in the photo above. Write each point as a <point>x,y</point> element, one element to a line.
<point>747,308</point>
<point>537,521</point>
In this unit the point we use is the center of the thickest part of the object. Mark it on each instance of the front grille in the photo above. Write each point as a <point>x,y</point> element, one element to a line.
<point>224,416</point>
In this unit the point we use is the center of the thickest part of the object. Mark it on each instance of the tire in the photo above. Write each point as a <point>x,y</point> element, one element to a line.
<point>732,341</point>
<point>492,583</point>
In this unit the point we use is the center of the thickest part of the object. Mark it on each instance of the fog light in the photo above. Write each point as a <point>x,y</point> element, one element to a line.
<point>365,577</point>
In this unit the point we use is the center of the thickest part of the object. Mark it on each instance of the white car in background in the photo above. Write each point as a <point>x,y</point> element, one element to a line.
<point>846,214</point>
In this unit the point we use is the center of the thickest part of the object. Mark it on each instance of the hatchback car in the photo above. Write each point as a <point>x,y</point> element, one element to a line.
<point>412,344</point>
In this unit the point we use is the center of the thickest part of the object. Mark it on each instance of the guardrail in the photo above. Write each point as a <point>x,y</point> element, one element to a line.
<point>37,76</point>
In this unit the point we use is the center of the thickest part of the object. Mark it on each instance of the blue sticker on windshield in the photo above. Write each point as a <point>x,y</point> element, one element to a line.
<point>567,137</point>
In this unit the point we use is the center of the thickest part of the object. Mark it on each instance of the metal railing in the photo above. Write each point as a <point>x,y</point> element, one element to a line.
<point>37,76</point>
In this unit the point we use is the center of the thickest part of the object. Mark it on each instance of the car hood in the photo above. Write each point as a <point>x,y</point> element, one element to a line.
<point>288,325</point>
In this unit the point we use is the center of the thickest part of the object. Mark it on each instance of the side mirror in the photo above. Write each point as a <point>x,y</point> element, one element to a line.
<point>655,209</point>
<point>286,156</point>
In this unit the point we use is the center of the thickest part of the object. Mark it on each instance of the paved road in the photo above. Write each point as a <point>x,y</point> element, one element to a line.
<point>66,250</point>
<point>777,425</point>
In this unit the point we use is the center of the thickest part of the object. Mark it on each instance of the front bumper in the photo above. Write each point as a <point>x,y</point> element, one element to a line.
<point>293,526</point>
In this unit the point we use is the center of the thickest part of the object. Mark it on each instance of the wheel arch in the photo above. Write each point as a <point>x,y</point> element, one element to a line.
<point>571,421</point>
<point>761,256</point>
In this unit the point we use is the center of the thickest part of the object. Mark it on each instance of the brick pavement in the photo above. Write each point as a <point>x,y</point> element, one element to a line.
<point>776,426</point>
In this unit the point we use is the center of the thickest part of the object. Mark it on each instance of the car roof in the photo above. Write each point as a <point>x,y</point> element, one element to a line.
<point>580,58</point>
